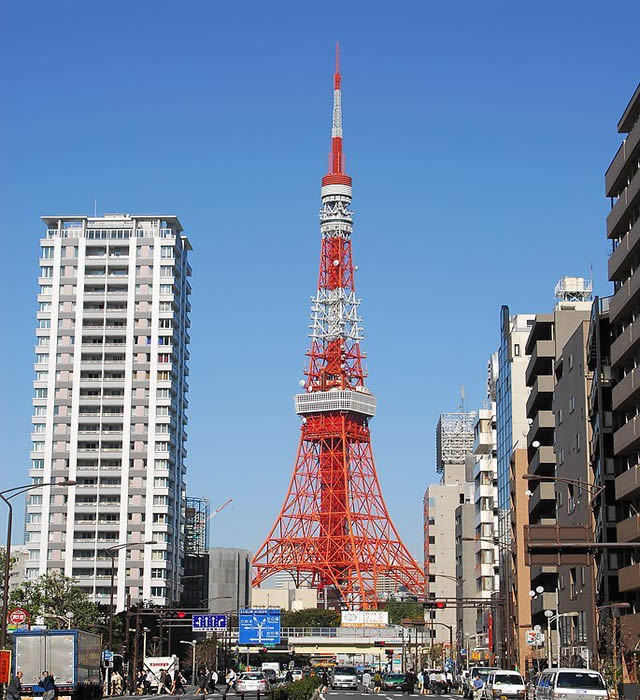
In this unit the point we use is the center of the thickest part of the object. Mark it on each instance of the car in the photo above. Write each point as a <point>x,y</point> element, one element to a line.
<point>393,681</point>
<point>270,674</point>
<point>297,674</point>
<point>570,684</point>
<point>252,682</point>
<point>345,677</point>
<point>504,684</point>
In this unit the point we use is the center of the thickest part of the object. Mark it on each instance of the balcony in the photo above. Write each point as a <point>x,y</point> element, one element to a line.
<point>625,392</point>
<point>617,219</point>
<point>483,444</point>
<point>541,361</point>
<point>542,602</point>
<point>627,438</point>
<point>623,301</point>
<point>543,460</point>
<point>620,260</point>
<point>627,485</point>
<point>629,578</point>
<point>542,427</point>
<point>541,394</point>
<point>628,530</point>
<point>624,345</point>
<point>614,177</point>
<point>543,493</point>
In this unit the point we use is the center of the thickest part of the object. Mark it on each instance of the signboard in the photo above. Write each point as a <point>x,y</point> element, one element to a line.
<point>5,666</point>
<point>365,618</point>
<point>17,619</point>
<point>107,658</point>
<point>259,626</point>
<point>534,638</point>
<point>208,623</point>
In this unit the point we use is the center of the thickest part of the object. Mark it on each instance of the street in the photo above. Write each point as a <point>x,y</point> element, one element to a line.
<point>334,694</point>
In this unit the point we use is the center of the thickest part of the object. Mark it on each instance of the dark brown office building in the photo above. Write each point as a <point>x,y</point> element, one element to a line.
<point>622,184</point>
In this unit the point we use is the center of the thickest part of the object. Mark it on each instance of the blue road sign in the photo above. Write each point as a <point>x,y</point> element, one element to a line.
<point>208,623</point>
<point>107,655</point>
<point>259,626</point>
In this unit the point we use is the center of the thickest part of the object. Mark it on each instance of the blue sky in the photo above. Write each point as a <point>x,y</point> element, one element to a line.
<point>477,135</point>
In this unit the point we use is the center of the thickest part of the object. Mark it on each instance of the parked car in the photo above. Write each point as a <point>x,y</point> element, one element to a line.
<point>504,684</point>
<point>297,674</point>
<point>482,672</point>
<point>252,682</point>
<point>570,684</point>
<point>345,677</point>
<point>393,681</point>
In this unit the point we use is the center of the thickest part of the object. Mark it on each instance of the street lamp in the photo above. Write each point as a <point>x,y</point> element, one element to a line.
<point>112,552</point>
<point>204,601</point>
<point>12,493</point>
<point>193,658</point>
<point>145,631</point>
<point>553,618</point>
<point>66,618</point>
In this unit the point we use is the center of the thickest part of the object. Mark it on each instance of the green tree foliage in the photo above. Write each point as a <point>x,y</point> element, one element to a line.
<point>311,617</point>
<point>3,559</point>
<point>53,593</point>
<point>399,610</point>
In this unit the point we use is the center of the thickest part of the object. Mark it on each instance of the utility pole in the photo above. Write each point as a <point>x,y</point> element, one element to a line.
<point>130,676</point>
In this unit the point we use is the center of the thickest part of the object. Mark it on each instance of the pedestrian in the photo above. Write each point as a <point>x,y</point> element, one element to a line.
<point>324,680</point>
<point>168,683</point>
<point>162,688</point>
<point>213,680</point>
<point>449,679</point>
<point>48,685</point>
<point>14,689</point>
<point>177,687</point>
<point>366,681</point>
<point>230,680</point>
<point>410,682</point>
<point>477,686</point>
<point>288,676</point>
<point>202,680</point>
<point>377,682</point>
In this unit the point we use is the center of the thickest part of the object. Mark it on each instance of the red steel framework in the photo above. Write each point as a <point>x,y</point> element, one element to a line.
<point>334,532</point>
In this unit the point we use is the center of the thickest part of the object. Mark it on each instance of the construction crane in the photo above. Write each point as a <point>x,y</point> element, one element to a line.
<point>218,509</point>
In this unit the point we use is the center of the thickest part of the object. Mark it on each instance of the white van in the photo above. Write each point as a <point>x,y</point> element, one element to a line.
<point>504,684</point>
<point>570,684</point>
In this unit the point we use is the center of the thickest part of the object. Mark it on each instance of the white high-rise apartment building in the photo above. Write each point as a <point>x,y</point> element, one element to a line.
<point>109,404</point>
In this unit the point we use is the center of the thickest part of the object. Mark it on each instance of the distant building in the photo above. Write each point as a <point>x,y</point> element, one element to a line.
<point>229,579</point>
<point>196,526</point>
<point>284,598</point>
<point>20,553</point>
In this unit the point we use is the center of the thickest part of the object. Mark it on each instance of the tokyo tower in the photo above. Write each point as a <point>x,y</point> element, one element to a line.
<point>334,532</point>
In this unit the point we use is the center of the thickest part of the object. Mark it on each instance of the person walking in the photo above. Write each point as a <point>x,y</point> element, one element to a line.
<point>288,676</point>
<point>14,689</point>
<point>477,686</point>
<point>202,681</point>
<point>410,682</point>
<point>377,682</point>
<point>230,680</point>
<point>366,681</point>
<point>324,679</point>
<point>177,687</point>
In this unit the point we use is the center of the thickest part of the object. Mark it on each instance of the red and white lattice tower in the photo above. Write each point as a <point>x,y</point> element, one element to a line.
<point>334,532</point>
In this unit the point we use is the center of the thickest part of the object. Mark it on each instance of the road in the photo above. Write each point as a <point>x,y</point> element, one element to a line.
<point>332,695</point>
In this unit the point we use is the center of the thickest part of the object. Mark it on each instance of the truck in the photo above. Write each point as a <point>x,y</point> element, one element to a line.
<point>72,656</point>
<point>157,664</point>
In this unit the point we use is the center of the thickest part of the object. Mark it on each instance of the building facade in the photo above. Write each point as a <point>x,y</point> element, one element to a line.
<point>576,591</point>
<point>545,344</point>
<point>229,579</point>
<point>110,403</point>
<point>622,186</point>
<point>512,427</point>
<point>454,441</point>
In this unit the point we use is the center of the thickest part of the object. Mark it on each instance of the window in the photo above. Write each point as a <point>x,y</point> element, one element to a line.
<point>162,428</point>
<point>157,592</point>
<point>42,376</point>
<point>166,306</point>
<point>158,555</point>
<point>46,271</point>
<point>37,446</point>
<point>163,376</point>
<point>39,427</point>
<point>41,393</point>
<point>166,289</point>
<point>572,404</point>
<point>42,358</point>
<point>162,464</point>
<point>516,350</point>
<point>37,464</point>
<point>578,442</point>
<point>163,394</point>
<point>46,289</point>
<point>158,573</point>
<point>432,559</point>
<point>160,500</point>
<point>31,573</point>
<point>47,251</point>
<point>162,410</point>
<point>165,323</point>
<point>570,361</point>
<point>34,500</point>
<point>44,323</point>
<point>43,341</point>
<point>44,306</point>
<point>487,583</point>
<point>432,539</point>
<point>166,251</point>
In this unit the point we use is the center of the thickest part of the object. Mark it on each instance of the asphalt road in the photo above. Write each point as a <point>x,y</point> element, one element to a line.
<point>331,695</point>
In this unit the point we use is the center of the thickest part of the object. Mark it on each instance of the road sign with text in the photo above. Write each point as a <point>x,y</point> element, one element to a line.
<point>208,623</point>
<point>259,626</point>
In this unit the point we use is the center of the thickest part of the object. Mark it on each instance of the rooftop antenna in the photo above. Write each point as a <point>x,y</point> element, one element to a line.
<point>95,207</point>
<point>461,398</point>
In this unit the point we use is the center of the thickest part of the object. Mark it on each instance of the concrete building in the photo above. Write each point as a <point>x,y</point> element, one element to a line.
<point>229,579</point>
<point>454,441</point>
<point>546,341</point>
<point>109,404</point>
<point>284,598</point>
<point>574,500</point>
<point>20,557</point>
<point>465,516</point>
<point>511,456</point>
<point>622,186</point>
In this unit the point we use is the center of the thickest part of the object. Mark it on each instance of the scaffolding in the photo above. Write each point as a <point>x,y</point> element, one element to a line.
<point>196,526</point>
<point>454,438</point>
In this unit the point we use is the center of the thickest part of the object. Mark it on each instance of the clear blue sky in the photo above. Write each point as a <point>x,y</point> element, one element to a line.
<point>477,135</point>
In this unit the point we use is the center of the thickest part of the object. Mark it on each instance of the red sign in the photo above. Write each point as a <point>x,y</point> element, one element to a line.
<point>5,666</point>
<point>17,618</point>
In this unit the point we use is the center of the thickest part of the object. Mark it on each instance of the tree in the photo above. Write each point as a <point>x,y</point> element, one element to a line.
<point>311,617</point>
<point>403,609</point>
<point>55,594</point>
<point>3,559</point>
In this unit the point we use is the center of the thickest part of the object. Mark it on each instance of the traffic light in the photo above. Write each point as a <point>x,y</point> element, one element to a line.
<point>379,644</point>
<point>181,614</point>
<point>389,653</point>
<point>436,604</point>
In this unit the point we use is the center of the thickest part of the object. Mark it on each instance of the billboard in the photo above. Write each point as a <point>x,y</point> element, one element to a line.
<point>365,618</point>
<point>259,626</point>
